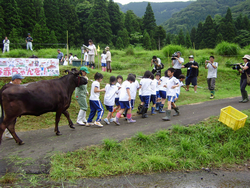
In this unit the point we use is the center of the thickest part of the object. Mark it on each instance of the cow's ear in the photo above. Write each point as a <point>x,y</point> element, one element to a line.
<point>67,71</point>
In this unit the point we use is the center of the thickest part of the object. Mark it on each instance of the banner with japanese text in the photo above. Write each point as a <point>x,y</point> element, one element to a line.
<point>29,67</point>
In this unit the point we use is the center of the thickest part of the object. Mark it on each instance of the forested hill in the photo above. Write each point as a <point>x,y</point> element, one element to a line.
<point>196,12</point>
<point>162,11</point>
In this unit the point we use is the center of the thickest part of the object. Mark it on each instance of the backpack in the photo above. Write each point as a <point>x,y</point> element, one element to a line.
<point>162,65</point>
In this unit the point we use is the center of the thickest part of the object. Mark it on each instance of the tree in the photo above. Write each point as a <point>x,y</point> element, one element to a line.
<point>161,35</point>
<point>168,38</point>
<point>99,23</point>
<point>128,21</point>
<point>149,23</point>
<point>115,16</point>
<point>14,37</point>
<point>2,23</point>
<point>181,38</point>
<point>38,35</point>
<point>146,40</point>
<point>219,38</point>
<point>209,34</point>
<point>239,22</point>
<point>243,38</point>
<point>198,37</point>
<point>245,23</point>
<point>188,42</point>
<point>119,44</point>
<point>193,35</point>
<point>153,43</point>
<point>228,17</point>
<point>53,39</point>
<point>123,34</point>
<point>202,45</point>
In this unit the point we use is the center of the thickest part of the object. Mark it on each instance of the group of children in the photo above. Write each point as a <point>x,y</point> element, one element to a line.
<point>155,90</point>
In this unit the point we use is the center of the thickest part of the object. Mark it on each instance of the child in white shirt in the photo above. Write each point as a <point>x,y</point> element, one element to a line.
<point>103,60</point>
<point>178,89</point>
<point>86,58</point>
<point>145,85</point>
<point>94,101</point>
<point>163,91</point>
<point>125,100</point>
<point>153,97</point>
<point>158,102</point>
<point>171,84</point>
<point>119,80</point>
<point>109,98</point>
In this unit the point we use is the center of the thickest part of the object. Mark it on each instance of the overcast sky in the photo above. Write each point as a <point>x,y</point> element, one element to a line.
<point>155,1</point>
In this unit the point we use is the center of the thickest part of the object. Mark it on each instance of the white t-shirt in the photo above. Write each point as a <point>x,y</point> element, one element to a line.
<point>154,84</point>
<point>65,63</point>
<point>109,97</point>
<point>157,84</point>
<point>118,92</point>
<point>212,72</point>
<point>171,82</point>
<point>158,62</point>
<point>177,65</point>
<point>140,92</point>
<point>86,57</point>
<point>163,82</point>
<point>94,96</point>
<point>70,59</point>
<point>145,86</point>
<point>178,89</point>
<point>133,89</point>
<point>103,56</point>
<point>92,49</point>
<point>123,91</point>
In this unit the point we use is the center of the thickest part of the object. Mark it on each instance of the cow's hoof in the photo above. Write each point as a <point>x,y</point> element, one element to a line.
<point>58,134</point>
<point>72,126</point>
<point>21,143</point>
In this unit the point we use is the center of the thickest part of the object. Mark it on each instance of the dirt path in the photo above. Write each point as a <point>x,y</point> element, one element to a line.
<point>41,144</point>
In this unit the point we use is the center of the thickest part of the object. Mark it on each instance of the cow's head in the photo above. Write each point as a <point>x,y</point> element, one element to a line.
<point>79,80</point>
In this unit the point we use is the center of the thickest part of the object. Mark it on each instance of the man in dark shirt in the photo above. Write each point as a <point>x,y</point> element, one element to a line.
<point>60,57</point>
<point>192,73</point>
<point>29,41</point>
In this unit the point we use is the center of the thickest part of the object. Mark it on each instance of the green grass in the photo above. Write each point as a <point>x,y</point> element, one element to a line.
<point>207,144</point>
<point>123,63</point>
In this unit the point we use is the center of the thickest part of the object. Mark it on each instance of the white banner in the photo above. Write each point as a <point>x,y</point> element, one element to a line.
<point>29,67</point>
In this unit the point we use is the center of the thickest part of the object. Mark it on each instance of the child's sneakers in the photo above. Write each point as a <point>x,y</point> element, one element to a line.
<point>112,120</point>
<point>89,124</point>
<point>106,121</point>
<point>131,121</point>
<point>98,124</point>
<point>116,121</point>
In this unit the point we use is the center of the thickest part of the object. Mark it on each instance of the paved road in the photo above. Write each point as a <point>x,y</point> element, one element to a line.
<point>41,144</point>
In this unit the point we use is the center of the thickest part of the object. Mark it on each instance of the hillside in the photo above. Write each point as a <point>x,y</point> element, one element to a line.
<point>242,8</point>
<point>162,11</point>
<point>198,11</point>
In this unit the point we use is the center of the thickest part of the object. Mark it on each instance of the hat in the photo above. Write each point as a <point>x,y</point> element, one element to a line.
<point>85,69</point>
<point>191,56</point>
<point>107,48</point>
<point>246,57</point>
<point>17,76</point>
<point>28,33</point>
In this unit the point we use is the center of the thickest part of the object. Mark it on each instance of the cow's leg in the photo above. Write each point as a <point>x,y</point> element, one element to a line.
<point>2,128</point>
<point>11,129</point>
<point>71,125</point>
<point>58,115</point>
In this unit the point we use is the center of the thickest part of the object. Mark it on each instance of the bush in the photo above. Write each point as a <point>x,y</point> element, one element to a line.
<point>226,48</point>
<point>130,51</point>
<point>170,49</point>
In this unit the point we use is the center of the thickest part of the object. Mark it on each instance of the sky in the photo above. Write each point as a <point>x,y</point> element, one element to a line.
<point>155,1</point>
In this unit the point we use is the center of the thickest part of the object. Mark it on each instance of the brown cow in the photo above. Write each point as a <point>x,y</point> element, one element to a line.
<point>37,98</point>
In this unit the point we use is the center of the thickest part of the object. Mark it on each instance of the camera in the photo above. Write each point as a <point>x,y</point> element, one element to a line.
<point>154,61</point>
<point>174,56</point>
<point>236,66</point>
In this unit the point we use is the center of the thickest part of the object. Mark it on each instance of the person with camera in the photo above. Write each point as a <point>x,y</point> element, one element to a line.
<point>29,41</point>
<point>244,71</point>
<point>211,74</point>
<point>157,65</point>
<point>6,45</point>
<point>177,62</point>
<point>192,73</point>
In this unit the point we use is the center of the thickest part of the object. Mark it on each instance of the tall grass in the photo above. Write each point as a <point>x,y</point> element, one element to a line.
<point>207,144</point>
<point>170,49</point>
<point>226,48</point>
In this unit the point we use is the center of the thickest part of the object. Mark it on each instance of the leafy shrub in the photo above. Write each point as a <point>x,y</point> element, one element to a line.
<point>226,48</point>
<point>130,51</point>
<point>170,49</point>
<point>117,66</point>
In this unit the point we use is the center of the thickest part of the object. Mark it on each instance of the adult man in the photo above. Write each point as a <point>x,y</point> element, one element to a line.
<point>211,74</point>
<point>29,41</point>
<point>60,57</point>
<point>16,79</point>
<point>157,65</point>
<point>177,64</point>
<point>6,45</point>
<point>192,73</point>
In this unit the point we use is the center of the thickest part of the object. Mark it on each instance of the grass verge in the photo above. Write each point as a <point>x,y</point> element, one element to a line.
<point>206,144</point>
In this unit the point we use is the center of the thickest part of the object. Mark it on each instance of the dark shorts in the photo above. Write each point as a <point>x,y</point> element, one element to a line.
<point>158,94</point>
<point>109,108</point>
<point>153,99</point>
<point>192,80</point>
<point>146,100</point>
<point>140,97</point>
<point>163,94</point>
<point>104,64</point>
<point>132,103</point>
<point>125,104</point>
<point>177,73</point>
<point>117,103</point>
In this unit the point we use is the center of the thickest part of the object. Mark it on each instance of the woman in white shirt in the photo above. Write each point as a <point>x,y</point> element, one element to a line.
<point>92,53</point>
